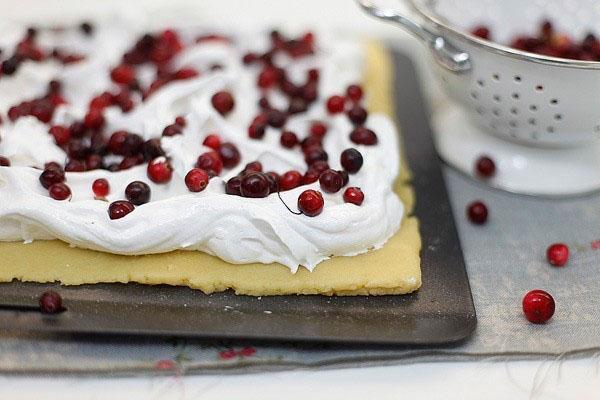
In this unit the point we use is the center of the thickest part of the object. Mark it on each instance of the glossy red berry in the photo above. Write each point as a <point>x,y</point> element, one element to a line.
<point>335,104</point>
<point>288,139</point>
<point>318,129</point>
<point>94,119</point>
<point>119,209</point>
<point>101,187</point>
<point>290,180</point>
<point>538,306</point>
<point>255,185</point>
<point>485,167</point>
<point>210,162</point>
<point>138,193</point>
<point>310,202</point>
<point>50,176</point>
<point>557,254</point>
<point>354,195</point>
<point>196,180</point>
<point>362,135</point>
<point>59,191</point>
<point>354,93</point>
<point>223,102</point>
<point>233,186</point>
<point>50,302</point>
<point>351,160</point>
<point>477,212</point>
<point>123,74</point>
<point>256,131</point>
<point>159,170</point>
<point>482,32</point>
<point>181,121</point>
<point>254,166</point>
<point>230,155</point>
<point>172,130</point>
<point>4,162</point>
<point>116,142</point>
<point>276,118</point>
<point>268,77</point>
<point>213,141</point>
<point>331,181</point>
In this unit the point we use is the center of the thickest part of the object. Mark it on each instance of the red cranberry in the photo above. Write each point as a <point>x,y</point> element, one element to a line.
<point>196,180</point>
<point>485,167</point>
<point>123,74</point>
<point>310,202</point>
<point>351,160</point>
<point>172,130</point>
<point>254,166</point>
<point>335,104</point>
<point>362,135</point>
<point>267,78</point>
<point>101,187</point>
<point>354,195</point>
<point>558,254</point>
<point>77,149</point>
<point>119,209</point>
<point>229,154</point>
<point>273,179</point>
<point>357,115</point>
<point>116,142</point>
<point>152,149</point>
<point>210,162</point>
<point>310,176</point>
<point>354,93</point>
<point>4,162</point>
<point>276,118</point>
<point>477,212</point>
<point>213,141</point>
<point>101,101</point>
<point>310,92</point>
<point>94,119</point>
<point>50,302</point>
<point>75,166</point>
<point>159,170</point>
<point>59,191</point>
<point>318,129</point>
<point>256,131</point>
<point>77,129</point>
<point>61,134</point>
<point>233,186</point>
<point>331,181</point>
<point>538,306</point>
<point>249,58</point>
<point>345,177</point>
<point>130,162</point>
<point>290,180</point>
<point>310,143</point>
<point>137,193</point>
<point>255,185</point>
<point>132,145</point>
<point>185,73</point>
<point>319,166</point>
<point>313,75</point>
<point>181,121</point>
<point>316,154</point>
<point>50,176</point>
<point>297,105</point>
<point>482,32</point>
<point>223,102</point>
<point>288,139</point>
<point>42,111</point>
<point>264,104</point>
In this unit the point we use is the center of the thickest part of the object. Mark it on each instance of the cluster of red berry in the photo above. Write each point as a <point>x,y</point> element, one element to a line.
<point>551,43</point>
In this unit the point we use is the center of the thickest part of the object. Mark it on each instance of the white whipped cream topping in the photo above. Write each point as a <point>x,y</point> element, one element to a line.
<point>238,230</point>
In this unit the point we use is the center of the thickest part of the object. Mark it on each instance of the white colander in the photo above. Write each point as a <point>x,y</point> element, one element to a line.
<point>532,101</point>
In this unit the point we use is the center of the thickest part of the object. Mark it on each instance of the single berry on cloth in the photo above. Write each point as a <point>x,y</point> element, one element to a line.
<point>223,102</point>
<point>288,139</point>
<point>196,180</point>
<point>210,162</point>
<point>255,185</point>
<point>354,93</point>
<point>351,160</point>
<point>119,209</point>
<point>538,306</point>
<point>335,104</point>
<point>362,135</point>
<point>481,31</point>
<point>213,141</point>
<point>310,203</point>
<point>52,175</point>
<point>59,191</point>
<point>485,167</point>
<point>138,193</point>
<point>233,186</point>
<point>357,115</point>
<point>331,181</point>
<point>101,187</point>
<point>290,180</point>
<point>354,195</point>
<point>477,212</point>
<point>230,155</point>
<point>557,254</point>
<point>159,170</point>
<point>50,302</point>
<point>4,162</point>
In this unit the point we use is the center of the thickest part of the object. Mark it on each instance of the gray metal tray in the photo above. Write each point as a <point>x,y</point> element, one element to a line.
<point>441,312</point>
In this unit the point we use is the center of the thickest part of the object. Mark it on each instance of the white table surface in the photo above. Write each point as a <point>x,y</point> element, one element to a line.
<point>558,379</point>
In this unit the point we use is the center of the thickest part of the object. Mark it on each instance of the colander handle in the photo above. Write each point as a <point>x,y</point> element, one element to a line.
<point>444,52</point>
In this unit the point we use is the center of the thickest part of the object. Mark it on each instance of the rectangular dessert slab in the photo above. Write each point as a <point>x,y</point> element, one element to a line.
<point>441,312</point>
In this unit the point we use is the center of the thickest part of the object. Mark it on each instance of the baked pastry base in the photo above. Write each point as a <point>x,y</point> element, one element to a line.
<point>393,269</point>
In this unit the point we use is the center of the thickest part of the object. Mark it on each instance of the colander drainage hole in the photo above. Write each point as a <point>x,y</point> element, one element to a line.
<point>553,102</point>
<point>558,117</point>
<point>480,83</point>
<point>517,79</point>
<point>513,124</point>
<point>533,108</point>
<point>532,121</point>
<point>480,110</point>
<point>474,95</point>
<point>497,98</point>
<point>516,96</point>
<point>514,111</point>
<point>496,76</point>
<point>550,129</point>
<point>496,112</point>
<point>539,88</point>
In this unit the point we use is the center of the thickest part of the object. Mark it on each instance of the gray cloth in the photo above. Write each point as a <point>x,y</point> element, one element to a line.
<point>505,258</point>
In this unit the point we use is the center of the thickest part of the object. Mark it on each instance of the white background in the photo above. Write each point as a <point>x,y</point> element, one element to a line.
<point>557,379</point>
